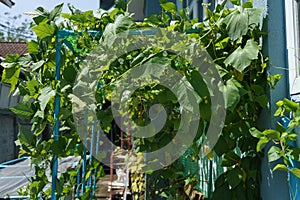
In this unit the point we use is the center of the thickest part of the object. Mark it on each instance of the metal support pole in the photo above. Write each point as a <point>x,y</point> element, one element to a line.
<point>56,119</point>
<point>90,182</point>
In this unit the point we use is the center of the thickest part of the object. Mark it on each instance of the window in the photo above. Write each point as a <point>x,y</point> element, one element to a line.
<point>292,41</point>
<point>195,8</point>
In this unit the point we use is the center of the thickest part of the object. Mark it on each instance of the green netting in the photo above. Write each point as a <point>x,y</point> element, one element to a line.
<point>205,170</point>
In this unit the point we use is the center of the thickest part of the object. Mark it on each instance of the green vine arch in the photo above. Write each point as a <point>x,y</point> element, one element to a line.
<point>230,36</point>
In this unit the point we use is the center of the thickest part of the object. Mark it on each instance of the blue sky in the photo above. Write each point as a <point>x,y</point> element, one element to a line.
<point>22,6</point>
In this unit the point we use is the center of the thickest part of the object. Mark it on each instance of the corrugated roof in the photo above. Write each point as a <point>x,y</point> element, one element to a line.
<point>12,48</point>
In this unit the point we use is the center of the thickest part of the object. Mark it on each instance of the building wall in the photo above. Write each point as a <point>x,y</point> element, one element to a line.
<point>8,125</point>
<point>8,135</point>
<point>274,184</point>
<point>138,8</point>
<point>153,7</point>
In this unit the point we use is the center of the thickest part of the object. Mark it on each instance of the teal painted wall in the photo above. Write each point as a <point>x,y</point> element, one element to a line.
<point>274,185</point>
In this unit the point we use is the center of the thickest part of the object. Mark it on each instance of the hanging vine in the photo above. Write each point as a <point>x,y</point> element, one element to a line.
<point>230,36</point>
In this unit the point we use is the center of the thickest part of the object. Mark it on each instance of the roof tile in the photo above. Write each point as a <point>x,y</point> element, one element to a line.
<point>12,48</point>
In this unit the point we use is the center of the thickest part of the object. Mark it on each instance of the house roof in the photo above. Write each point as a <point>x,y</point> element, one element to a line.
<point>8,3</point>
<point>12,48</point>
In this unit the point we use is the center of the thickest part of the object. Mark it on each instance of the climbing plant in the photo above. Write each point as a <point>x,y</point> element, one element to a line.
<point>230,36</point>
<point>283,137</point>
<point>39,88</point>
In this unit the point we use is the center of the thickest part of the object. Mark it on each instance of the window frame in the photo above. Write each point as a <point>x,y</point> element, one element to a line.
<point>292,44</point>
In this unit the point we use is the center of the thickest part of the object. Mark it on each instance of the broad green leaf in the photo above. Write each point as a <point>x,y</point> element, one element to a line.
<point>166,96</point>
<point>295,153</point>
<point>99,13</point>
<point>272,134</point>
<point>291,137</point>
<point>273,80</point>
<point>39,15</point>
<point>221,147</point>
<point>255,133</point>
<point>37,65</point>
<point>230,159</point>
<point>221,180</point>
<point>10,58</point>
<point>241,58</point>
<point>122,23</point>
<point>254,15</point>
<point>23,111</point>
<point>11,76</point>
<point>78,18</point>
<point>236,2</point>
<point>88,175</point>
<point>44,30</point>
<point>58,147</point>
<point>88,15</point>
<point>280,128</point>
<point>165,18</point>
<point>25,60</point>
<point>237,23</point>
<point>45,95</point>
<point>73,10</point>
<point>279,103</point>
<point>153,20</point>
<point>290,104</point>
<point>164,195</point>
<point>274,153</point>
<point>66,15</point>
<point>296,172</point>
<point>169,7</point>
<point>232,95</point>
<point>223,43</point>
<point>279,112</point>
<point>34,13</point>
<point>280,167</point>
<point>69,73</point>
<point>183,91</point>
<point>198,84</point>
<point>121,4</point>
<point>261,143</point>
<point>205,110</point>
<point>32,86</point>
<point>234,177</point>
<point>247,5</point>
<point>32,47</point>
<point>55,13</point>
<point>25,136</point>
